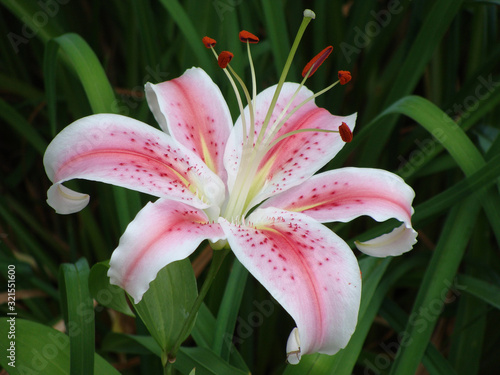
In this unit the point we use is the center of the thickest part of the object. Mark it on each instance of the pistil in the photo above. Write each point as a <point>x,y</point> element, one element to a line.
<point>308,16</point>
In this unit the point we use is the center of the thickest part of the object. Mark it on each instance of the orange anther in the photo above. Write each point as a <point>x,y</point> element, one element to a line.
<point>224,58</point>
<point>246,36</point>
<point>208,42</point>
<point>345,133</point>
<point>316,61</point>
<point>344,76</point>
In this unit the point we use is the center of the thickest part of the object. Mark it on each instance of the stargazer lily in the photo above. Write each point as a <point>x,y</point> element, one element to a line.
<point>251,186</point>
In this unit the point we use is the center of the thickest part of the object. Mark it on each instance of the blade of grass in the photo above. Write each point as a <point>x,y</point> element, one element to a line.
<point>456,142</point>
<point>482,289</point>
<point>437,279</point>
<point>193,37</point>
<point>433,360</point>
<point>278,35</point>
<point>228,310</point>
<point>78,311</point>
<point>26,11</point>
<point>470,324</point>
<point>422,48</point>
<point>19,124</point>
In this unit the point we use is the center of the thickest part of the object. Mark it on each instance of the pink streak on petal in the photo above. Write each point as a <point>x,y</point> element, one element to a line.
<point>192,109</point>
<point>297,157</point>
<point>128,153</point>
<point>161,233</point>
<point>346,193</point>
<point>308,269</point>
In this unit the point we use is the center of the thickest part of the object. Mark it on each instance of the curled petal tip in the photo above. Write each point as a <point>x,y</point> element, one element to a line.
<point>397,242</point>
<point>293,353</point>
<point>66,201</point>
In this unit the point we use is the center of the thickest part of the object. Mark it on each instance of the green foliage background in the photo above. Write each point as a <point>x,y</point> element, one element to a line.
<point>426,89</point>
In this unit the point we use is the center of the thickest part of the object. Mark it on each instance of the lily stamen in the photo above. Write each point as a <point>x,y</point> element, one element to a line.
<point>307,72</point>
<point>316,62</point>
<point>223,61</point>
<point>249,38</point>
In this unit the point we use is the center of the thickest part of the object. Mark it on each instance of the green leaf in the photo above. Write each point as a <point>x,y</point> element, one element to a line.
<point>193,38</point>
<point>410,72</point>
<point>205,361</point>
<point>433,360</point>
<point>456,142</point>
<point>21,126</point>
<point>132,344</point>
<point>484,290</point>
<point>437,280</point>
<point>106,294</point>
<point>278,35</point>
<point>442,127</point>
<point>228,310</point>
<point>482,179</point>
<point>78,311</point>
<point>167,303</point>
<point>80,58</point>
<point>470,331</point>
<point>41,350</point>
<point>203,334</point>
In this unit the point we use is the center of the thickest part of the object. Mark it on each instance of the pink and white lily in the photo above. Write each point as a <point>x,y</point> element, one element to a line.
<point>208,176</point>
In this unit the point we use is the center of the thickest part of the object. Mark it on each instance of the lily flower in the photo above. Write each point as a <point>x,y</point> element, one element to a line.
<point>251,187</point>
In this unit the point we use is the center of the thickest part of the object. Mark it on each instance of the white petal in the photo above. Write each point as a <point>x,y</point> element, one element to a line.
<point>293,353</point>
<point>66,201</point>
<point>397,242</point>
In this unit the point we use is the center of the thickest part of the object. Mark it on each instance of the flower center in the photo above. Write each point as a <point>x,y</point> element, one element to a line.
<point>252,173</point>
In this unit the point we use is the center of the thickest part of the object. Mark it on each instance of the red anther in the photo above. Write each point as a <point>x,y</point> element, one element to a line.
<point>345,133</point>
<point>208,42</point>
<point>246,36</point>
<point>317,61</point>
<point>224,58</point>
<point>344,76</point>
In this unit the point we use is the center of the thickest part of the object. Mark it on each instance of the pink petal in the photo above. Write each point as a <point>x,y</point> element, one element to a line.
<point>125,152</point>
<point>346,193</point>
<point>297,157</point>
<point>162,232</point>
<point>192,109</point>
<point>307,268</point>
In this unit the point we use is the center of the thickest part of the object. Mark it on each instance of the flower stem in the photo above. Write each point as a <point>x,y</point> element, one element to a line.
<point>218,258</point>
